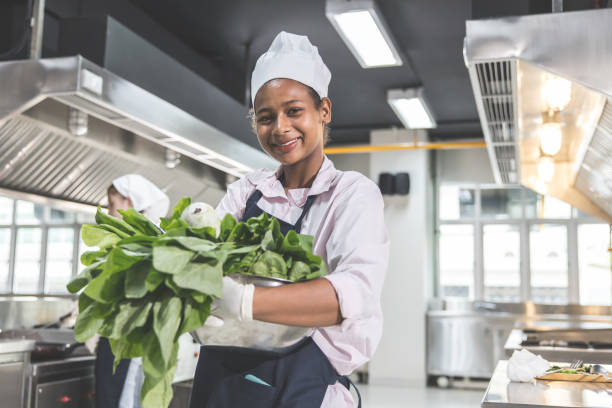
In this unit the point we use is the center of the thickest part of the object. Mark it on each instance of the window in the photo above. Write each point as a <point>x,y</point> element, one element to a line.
<point>509,244</point>
<point>502,259</point>
<point>5,253</point>
<point>501,203</point>
<point>548,255</point>
<point>37,253</point>
<point>456,261</point>
<point>545,207</point>
<point>27,261</point>
<point>456,202</point>
<point>6,211</point>
<point>29,213</point>
<point>594,264</point>
<point>60,254</point>
<point>60,217</point>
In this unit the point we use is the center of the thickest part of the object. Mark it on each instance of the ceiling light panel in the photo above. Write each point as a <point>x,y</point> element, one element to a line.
<point>362,28</point>
<point>411,108</point>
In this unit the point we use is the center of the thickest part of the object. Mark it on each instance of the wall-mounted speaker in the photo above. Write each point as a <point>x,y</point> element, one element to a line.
<point>385,183</point>
<point>390,184</point>
<point>402,184</point>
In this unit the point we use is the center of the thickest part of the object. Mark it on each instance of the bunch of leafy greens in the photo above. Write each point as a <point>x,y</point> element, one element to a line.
<point>144,287</point>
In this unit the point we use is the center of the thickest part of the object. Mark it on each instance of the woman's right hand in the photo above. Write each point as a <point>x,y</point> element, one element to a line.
<point>213,321</point>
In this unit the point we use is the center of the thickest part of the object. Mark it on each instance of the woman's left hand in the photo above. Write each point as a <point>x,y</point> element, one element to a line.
<point>236,302</point>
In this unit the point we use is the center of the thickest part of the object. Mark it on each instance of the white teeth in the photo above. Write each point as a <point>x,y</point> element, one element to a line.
<point>289,142</point>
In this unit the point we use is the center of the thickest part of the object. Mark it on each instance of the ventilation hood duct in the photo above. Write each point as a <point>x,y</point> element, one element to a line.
<point>514,66</point>
<point>47,103</point>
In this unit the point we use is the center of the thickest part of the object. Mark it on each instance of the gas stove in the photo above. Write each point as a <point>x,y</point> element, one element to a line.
<point>530,340</point>
<point>564,345</point>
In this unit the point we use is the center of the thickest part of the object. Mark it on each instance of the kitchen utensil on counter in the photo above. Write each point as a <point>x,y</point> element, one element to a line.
<point>573,365</point>
<point>595,373</point>
<point>253,334</point>
<point>599,369</point>
<point>56,324</point>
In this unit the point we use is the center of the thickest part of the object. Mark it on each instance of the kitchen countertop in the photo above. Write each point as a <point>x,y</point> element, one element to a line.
<point>15,346</point>
<point>502,393</point>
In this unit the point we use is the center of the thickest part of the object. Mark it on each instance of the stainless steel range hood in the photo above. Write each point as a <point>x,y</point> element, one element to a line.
<point>512,62</point>
<point>128,130</point>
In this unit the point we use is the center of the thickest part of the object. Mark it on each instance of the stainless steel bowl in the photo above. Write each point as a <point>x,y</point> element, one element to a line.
<point>254,334</point>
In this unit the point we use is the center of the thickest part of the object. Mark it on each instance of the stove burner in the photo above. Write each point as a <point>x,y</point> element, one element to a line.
<point>533,341</point>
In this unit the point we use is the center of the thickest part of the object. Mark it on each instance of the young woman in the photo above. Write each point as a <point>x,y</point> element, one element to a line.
<point>344,213</point>
<point>122,389</point>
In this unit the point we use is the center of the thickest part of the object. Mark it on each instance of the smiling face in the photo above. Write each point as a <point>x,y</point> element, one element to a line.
<point>117,202</point>
<point>290,127</point>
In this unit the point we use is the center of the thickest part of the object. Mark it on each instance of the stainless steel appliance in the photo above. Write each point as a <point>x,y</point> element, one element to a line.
<point>128,130</point>
<point>65,382</point>
<point>543,91</point>
<point>467,339</point>
<point>465,343</point>
<point>69,126</point>
<point>587,343</point>
<point>58,371</point>
<point>14,363</point>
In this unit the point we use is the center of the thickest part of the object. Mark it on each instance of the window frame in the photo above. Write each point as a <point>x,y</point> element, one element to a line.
<point>478,222</point>
<point>44,226</point>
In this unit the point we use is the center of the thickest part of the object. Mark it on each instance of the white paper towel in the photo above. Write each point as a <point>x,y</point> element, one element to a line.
<point>524,366</point>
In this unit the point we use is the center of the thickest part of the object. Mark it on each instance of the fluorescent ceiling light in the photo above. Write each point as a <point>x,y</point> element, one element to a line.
<point>546,169</point>
<point>361,27</point>
<point>551,138</point>
<point>557,92</point>
<point>410,107</point>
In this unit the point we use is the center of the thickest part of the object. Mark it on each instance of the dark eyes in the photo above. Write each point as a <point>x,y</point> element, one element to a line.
<point>266,119</point>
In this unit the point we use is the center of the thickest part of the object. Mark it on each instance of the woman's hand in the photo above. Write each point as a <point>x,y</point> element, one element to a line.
<point>308,304</point>
<point>236,301</point>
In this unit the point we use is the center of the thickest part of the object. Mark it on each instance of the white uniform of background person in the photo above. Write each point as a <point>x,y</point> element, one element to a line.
<point>147,198</point>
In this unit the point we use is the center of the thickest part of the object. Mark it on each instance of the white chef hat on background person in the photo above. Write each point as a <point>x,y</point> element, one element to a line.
<point>291,56</point>
<point>144,195</point>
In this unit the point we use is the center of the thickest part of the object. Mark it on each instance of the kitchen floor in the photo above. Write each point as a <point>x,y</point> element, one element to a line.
<point>375,396</point>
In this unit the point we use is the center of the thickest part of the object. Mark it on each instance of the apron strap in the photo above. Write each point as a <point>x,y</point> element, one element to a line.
<point>346,381</point>
<point>309,201</point>
<point>251,209</point>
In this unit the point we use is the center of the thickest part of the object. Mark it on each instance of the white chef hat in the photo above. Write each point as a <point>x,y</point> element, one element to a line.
<point>291,56</point>
<point>144,195</point>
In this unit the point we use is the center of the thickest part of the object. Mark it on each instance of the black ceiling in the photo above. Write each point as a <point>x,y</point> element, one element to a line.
<point>429,33</point>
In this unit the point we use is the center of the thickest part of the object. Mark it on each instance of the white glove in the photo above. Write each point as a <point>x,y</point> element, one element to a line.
<point>213,321</point>
<point>92,343</point>
<point>236,302</point>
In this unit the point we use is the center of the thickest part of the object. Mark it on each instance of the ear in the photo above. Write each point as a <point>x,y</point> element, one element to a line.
<point>325,110</point>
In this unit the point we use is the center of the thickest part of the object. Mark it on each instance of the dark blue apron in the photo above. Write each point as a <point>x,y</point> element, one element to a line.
<point>108,385</point>
<point>298,376</point>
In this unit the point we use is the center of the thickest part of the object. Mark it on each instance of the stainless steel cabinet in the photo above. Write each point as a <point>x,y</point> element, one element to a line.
<point>14,362</point>
<point>465,344</point>
<point>11,384</point>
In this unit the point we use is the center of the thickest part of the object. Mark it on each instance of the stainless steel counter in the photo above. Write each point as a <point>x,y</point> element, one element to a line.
<point>10,346</point>
<point>502,393</point>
